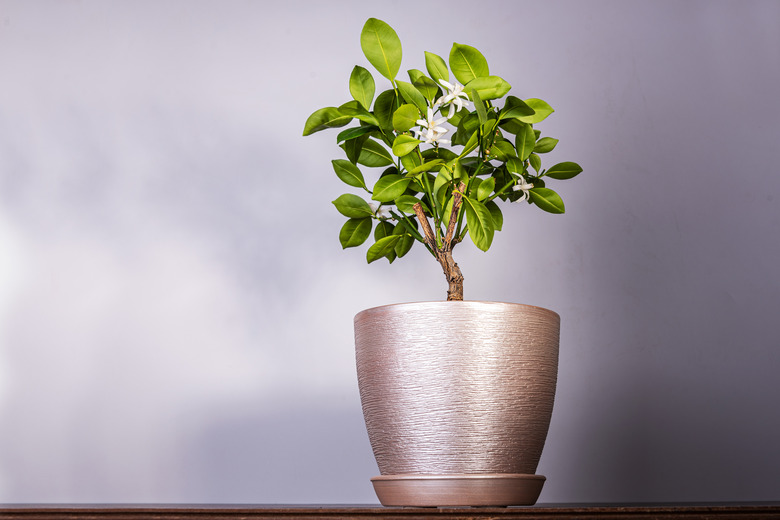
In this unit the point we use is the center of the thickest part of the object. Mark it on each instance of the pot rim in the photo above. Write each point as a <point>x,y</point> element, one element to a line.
<point>469,303</point>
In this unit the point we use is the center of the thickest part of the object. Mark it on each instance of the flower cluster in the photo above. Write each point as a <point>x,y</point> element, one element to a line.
<point>431,131</point>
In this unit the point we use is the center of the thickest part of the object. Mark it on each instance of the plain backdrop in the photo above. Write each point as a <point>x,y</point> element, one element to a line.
<point>176,310</point>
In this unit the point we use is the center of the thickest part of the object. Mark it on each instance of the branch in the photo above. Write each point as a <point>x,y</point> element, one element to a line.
<point>430,239</point>
<point>457,198</point>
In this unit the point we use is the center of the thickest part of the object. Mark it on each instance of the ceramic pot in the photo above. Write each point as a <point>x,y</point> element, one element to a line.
<point>457,399</point>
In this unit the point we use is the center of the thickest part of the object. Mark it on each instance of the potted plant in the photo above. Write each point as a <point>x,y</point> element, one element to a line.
<point>457,395</point>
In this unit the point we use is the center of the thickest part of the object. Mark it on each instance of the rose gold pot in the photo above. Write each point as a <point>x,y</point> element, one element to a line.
<point>457,398</point>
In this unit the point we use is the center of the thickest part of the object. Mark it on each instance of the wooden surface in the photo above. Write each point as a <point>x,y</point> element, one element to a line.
<point>757,511</point>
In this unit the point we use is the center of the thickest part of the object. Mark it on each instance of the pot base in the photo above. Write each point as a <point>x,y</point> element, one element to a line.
<point>482,490</point>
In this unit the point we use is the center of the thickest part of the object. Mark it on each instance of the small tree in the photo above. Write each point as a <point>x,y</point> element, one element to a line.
<point>430,191</point>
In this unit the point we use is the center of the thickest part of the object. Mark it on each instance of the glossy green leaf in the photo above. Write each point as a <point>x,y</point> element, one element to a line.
<point>384,106</point>
<point>467,63</point>
<point>425,85</point>
<point>383,229</point>
<point>352,133</point>
<point>406,241</point>
<point>545,144</point>
<point>525,141</point>
<point>382,248</point>
<point>382,47</point>
<point>564,170</point>
<point>503,149</point>
<point>405,117</point>
<point>353,148</point>
<point>410,93</point>
<point>485,188</point>
<point>404,144</point>
<point>325,118</point>
<point>349,173</point>
<point>361,86</point>
<point>546,199</point>
<point>489,87</point>
<point>515,107</point>
<point>354,232</point>
<point>374,155</point>
<point>425,167</point>
<point>478,106</point>
<point>496,215</point>
<point>437,67</point>
<point>355,109</point>
<point>541,111</point>
<point>352,206</point>
<point>470,145</point>
<point>405,203</point>
<point>536,162</point>
<point>411,161</point>
<point>481,227</point>
<point>390,187</point>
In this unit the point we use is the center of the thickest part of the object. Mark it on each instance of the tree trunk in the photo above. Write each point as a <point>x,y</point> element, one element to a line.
<point>444,253</point>
<point>453,275</point>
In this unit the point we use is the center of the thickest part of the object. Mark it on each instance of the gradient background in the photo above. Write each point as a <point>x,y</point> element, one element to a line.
<point>176,311</point>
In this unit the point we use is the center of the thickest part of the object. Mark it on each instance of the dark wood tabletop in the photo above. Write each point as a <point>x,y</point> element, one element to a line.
<point>725,511</point>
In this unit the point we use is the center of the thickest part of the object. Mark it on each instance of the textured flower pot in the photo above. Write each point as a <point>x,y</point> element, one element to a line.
<point>457,399</point>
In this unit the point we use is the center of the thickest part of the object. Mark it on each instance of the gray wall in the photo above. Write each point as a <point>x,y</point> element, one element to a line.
<point>176,311</point>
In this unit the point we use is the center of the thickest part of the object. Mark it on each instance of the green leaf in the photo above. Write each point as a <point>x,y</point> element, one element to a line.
<point>541,111</point>
<point>525,140</point>
<point>495,213</point>
<point>467,63</point>
<point>384,106</point>
<point>478,106</point>
<point>382,248</point>
<point>405,203</point>
<point>481,227</point>
<point>352,206</point>
<point>489,87</point>
<point>405,117</point>
<point>564,170</point>
<point>547,200</point>
<point>390,187</point>
<point>437,67</point>
<point>354,147</point>
<point>470,145</point>
<point>485,188</point>
<point>404,144</point>
<point>349,173</point>
<point>354,232</point>
<point>325,118</point>
<point>515,107</point>
<point>406,241</point>
<point>545,144</point>
<point>502,149</point>
<point>425,85</point>
<point>425,167</point>
<point>411,161</point>
<point>382,47</point>
<point>383,229</point>
<point>352,133</point>
<point>355,109</point>
<point>361,86</point>
<point>536,162</point>
<point>374,155</point>
<point>412,95</point>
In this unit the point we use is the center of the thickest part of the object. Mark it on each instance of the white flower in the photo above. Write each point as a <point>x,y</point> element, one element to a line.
<point>432,130</point>
<point>524,186</point>
<point>454,96</point>
<point>379,210</point>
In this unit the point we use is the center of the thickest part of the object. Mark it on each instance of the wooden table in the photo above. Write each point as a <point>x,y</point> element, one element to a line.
<point>727,511</point>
